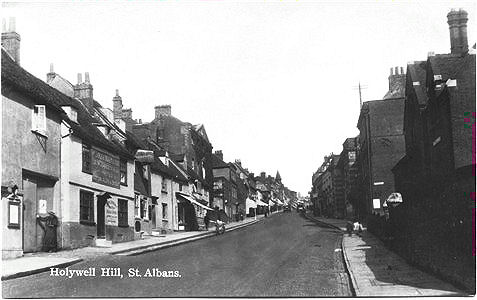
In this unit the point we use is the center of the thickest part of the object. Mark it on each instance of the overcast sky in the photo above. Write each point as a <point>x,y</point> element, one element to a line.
<point>273,82</point>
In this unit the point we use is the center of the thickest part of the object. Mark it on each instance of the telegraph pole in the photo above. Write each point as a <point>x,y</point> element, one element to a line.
<point>359,88</point>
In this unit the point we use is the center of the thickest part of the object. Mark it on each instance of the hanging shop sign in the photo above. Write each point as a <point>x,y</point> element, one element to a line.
<point>144,156</point>
<point>105,168</point>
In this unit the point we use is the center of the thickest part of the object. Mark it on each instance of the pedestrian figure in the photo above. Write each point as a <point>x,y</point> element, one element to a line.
<point>358,227</point>
<point>206,221</point>
<point>349,228</point>
<point>50,243</point>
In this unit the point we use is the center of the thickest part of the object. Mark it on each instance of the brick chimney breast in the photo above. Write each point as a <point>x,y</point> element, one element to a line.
<point>117,106</point>
<point>219,154</point>
<point>162,111</point>
<point>457,20</point>
<point>11,40</point>
<point>84,91</point>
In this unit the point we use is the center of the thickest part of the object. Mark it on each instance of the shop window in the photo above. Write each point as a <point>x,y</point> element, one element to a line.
<point>164,210</point>
<point>39,119</point>
<point>86,158</point>
<point>86,207</point>
<point>123,213</point>
<point>123,171</point>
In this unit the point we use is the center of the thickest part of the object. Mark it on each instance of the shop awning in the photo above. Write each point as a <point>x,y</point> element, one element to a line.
<point>261,203</point>
<point>249,203</point>
<point>278,201</point>
<point>192,200</point>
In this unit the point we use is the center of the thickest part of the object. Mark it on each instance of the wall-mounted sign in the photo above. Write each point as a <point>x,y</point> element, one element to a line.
<point>111,213</point>
<point>105,168</point>
<point>376,203</point>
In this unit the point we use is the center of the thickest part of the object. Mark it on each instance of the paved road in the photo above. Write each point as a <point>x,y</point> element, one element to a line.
<point>285,255</point>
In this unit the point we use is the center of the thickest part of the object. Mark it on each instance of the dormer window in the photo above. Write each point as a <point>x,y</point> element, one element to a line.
<point>39,119</point>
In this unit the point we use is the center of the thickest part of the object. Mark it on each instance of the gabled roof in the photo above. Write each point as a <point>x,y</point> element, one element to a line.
<point>417,73</point>
<point>217,163</point>
<point>200,129</point>
<point>139,185</point>
<point>451,66</point>
<point>17,77</point>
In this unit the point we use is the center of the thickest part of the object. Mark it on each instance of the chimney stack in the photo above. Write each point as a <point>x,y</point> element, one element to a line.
<point>162,111</point>
<point>117,106</point>
<point>397,79</point>
<point>219,154</point>
<point>11,40</point>
<point>84,91</point>
<point>457,21</point>
<point>262,175</point>
<point>51,75</point>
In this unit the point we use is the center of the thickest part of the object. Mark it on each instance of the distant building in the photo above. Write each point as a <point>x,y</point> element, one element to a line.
<point>349,172</point>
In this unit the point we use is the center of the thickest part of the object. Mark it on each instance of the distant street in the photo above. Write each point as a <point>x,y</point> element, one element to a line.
<point>285,255</point>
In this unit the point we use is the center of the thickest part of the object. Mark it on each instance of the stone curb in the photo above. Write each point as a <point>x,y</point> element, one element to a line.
<point>354,282</point>
<point>40,270</point>
<point>164,245</point>
<point>323,223</point>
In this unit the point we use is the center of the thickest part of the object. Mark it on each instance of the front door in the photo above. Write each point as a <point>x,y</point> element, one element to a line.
<point>100,225</point>
<point>30,226</point>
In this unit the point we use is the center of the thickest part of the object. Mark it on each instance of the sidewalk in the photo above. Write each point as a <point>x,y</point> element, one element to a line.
<point>376,271</point>
<point>33,263</point>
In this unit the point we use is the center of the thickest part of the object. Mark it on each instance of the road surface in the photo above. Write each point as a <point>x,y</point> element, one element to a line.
<point>284,255</point>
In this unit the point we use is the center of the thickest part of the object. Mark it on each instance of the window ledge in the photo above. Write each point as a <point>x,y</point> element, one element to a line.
<point>40,133</point>
<point>164,192</point>
<point>87,223</point>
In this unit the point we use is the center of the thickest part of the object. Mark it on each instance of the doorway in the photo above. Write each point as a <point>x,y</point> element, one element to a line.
<point>35,190</point>
<point>101,224</point>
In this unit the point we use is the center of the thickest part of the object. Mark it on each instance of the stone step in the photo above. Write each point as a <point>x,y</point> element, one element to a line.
<point>103,243</point>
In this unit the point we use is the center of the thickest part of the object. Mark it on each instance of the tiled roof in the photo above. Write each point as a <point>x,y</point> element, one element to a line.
<point>417,73</point>
<point>139,182</point>
<point>38,90</point>
<point>453,66</point>
<point>217,163</point>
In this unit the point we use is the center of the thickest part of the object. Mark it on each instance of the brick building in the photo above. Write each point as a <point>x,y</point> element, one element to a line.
<point>437,175</point>
<point>381,145</point>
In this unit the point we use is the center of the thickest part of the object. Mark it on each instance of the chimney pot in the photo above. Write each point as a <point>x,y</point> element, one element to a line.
<point>117,93</point>
<point>80,78</point>
<point>391,71</point>
<point>51,68</point>
<point>86,77</point>
<point>396,71</point>
<point>457,21</point>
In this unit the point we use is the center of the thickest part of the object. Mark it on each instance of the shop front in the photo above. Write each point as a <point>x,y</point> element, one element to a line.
<point>191,212</point>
